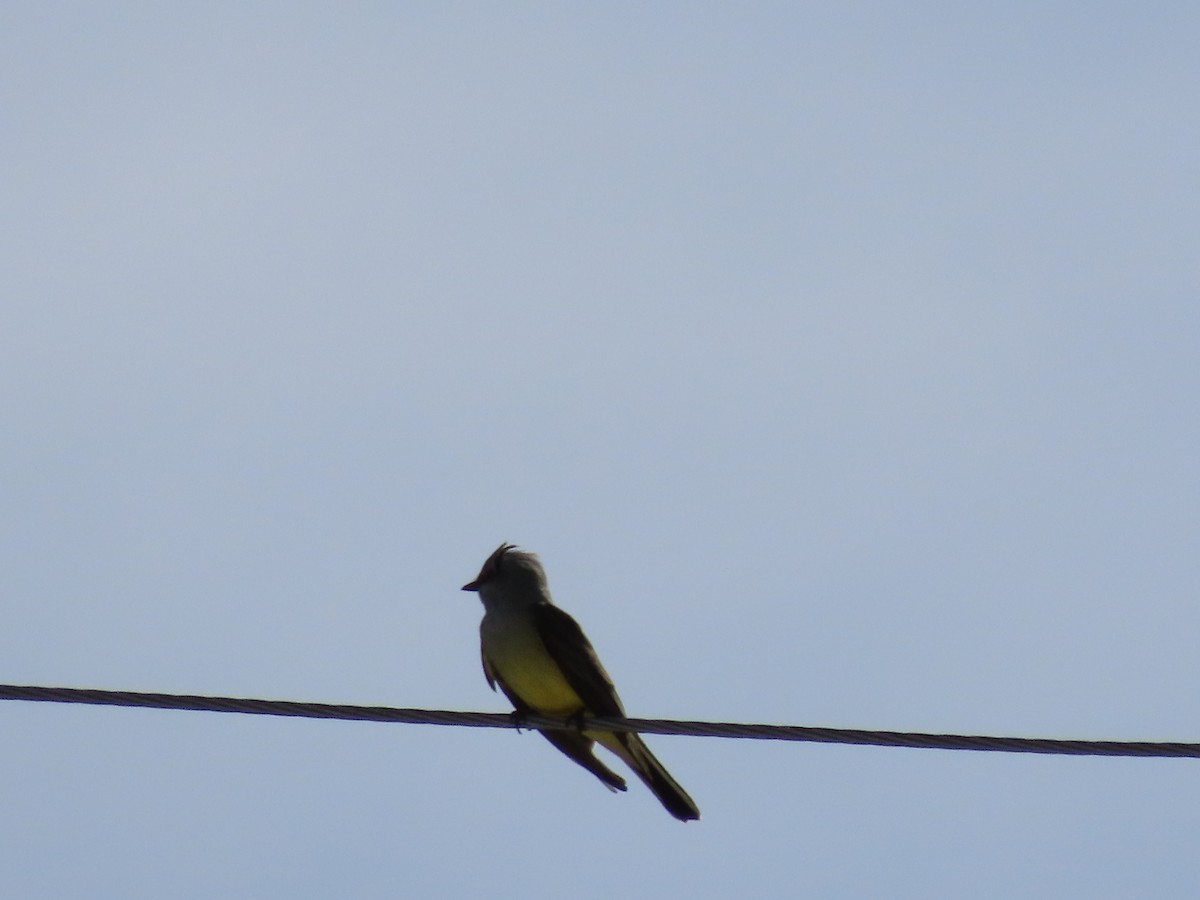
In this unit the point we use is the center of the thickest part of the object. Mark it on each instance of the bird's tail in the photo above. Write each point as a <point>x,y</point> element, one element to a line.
<point>579,748</point>
<point>633,750</point>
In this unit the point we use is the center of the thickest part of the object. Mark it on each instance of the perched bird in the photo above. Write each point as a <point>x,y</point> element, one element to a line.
<point>540,658</point>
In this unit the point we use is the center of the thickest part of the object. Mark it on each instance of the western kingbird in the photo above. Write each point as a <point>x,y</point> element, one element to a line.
<point>540,658</point>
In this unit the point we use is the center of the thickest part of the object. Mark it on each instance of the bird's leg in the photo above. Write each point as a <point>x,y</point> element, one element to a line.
<point>519,718</point>
<point>576,719</point>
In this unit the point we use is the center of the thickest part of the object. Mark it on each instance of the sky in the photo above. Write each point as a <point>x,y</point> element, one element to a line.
<point>840,361</point>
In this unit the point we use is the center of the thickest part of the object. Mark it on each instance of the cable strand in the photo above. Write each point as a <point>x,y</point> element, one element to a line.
<point>811,734</point>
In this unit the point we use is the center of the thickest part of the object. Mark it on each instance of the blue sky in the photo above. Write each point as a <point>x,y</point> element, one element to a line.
<point>839,361</point>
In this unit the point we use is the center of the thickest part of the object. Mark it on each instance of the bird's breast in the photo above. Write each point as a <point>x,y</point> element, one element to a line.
<point>515,651</point>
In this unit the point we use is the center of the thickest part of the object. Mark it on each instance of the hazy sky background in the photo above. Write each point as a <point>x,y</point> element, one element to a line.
<point>841,361</point>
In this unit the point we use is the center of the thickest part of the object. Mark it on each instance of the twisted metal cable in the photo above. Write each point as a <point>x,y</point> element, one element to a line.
<point>646,726</point>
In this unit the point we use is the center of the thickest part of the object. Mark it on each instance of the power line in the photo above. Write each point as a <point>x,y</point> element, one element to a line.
<point>646,726</point>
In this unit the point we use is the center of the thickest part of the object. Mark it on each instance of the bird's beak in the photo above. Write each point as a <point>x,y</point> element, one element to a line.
<point>471,586</point>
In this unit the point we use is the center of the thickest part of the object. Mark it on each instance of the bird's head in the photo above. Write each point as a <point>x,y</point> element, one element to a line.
<point>510,573</point>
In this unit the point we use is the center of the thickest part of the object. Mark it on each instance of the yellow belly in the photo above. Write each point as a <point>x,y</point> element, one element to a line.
<point>520,660</point>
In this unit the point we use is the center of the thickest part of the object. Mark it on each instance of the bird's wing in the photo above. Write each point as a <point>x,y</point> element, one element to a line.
<point>570,649</point>
<point>488,672</point>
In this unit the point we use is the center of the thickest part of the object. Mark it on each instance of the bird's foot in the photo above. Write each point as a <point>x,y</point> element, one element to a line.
<point>576,720</point>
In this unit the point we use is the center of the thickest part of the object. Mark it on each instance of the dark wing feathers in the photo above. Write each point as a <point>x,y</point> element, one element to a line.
<point>488,673</point>
<point>579,748</point>
<point>570,649</point>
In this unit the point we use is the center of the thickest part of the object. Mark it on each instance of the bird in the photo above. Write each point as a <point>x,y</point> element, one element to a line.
<point>542,661</point>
